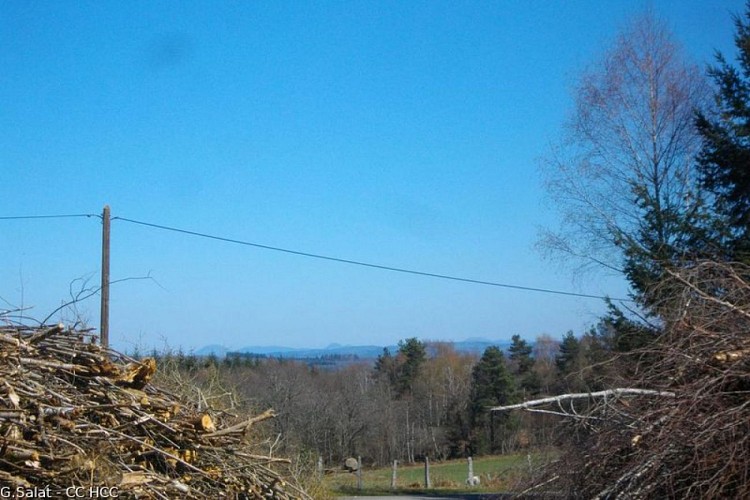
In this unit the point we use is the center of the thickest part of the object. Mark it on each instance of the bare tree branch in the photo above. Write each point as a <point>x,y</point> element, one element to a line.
<point>584,395</point>
<point>87,293</point>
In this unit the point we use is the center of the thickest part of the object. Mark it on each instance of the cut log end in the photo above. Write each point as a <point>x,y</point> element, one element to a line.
<point>137,375</point>
<point>205,423</point>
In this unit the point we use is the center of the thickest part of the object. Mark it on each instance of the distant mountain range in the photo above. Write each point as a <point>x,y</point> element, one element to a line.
<point>472,345</point>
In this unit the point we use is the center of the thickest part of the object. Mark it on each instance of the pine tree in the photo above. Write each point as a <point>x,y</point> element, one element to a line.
<point>491,385</point>
<point>385,367</point>
<point>724,160</point>
<point>412,353</point>
<point>597,357</point>
<point>568,362</point>
<point>401,370</point>
<point>567,358</point>
<point>627,335</point>
<point>522,362</point>
<point>520,353</point>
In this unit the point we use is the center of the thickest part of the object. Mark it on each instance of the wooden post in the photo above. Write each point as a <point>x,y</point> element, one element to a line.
<point>492,432</point>
<point>470,480</point>
<point>104,319</point>
<point>320,468</point>
<point>393,475</point>
<point>359,473</point>
<point>427,482</point>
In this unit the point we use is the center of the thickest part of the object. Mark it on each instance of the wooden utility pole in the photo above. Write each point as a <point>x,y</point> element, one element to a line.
<point>104,320</point>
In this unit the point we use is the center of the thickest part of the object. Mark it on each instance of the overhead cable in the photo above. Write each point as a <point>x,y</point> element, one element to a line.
<point>366,264</point>
<point>55,216</point>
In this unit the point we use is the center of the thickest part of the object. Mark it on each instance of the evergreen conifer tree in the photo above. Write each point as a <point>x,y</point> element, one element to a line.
<point>724,160</point>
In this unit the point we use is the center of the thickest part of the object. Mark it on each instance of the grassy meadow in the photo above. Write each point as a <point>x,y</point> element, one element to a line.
<point>497,474</point>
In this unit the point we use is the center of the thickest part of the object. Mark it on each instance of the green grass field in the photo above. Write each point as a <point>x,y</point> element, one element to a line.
<point>497,474</point>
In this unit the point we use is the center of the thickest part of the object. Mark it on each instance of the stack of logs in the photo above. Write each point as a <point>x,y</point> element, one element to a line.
<point>76,415</point>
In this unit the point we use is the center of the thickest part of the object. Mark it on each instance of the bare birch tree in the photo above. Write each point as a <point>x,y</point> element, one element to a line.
<point>623,175</point>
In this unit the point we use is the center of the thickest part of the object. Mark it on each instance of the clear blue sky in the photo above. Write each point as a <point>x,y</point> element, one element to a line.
<point>399,133</point>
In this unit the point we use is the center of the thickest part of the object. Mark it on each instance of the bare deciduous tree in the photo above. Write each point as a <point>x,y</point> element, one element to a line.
<point>623,175</point>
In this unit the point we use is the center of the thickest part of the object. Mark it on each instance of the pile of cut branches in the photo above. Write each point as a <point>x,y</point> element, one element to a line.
<point>73,414</point>
<point>688,434</point>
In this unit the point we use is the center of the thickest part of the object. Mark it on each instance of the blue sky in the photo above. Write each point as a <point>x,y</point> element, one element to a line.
<point>399,133</point>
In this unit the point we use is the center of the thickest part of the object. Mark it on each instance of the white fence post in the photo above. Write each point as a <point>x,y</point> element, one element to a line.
<point>393,475</point>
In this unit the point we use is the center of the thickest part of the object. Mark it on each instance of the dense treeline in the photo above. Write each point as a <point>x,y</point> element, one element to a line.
<point>425,399</point>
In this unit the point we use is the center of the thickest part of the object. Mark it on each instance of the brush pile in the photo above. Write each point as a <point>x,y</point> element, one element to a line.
<point>692,441</point>
<point>79,419</point>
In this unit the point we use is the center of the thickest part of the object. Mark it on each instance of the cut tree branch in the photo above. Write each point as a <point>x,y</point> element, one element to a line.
<point>242,426</point>
<point>583,395</point>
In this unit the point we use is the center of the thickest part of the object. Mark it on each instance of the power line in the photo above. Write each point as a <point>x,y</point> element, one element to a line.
<point>56,216</point>
<point>366,264</point>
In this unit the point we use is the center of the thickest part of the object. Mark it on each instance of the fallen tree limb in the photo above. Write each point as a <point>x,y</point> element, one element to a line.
<point>583,395</point>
